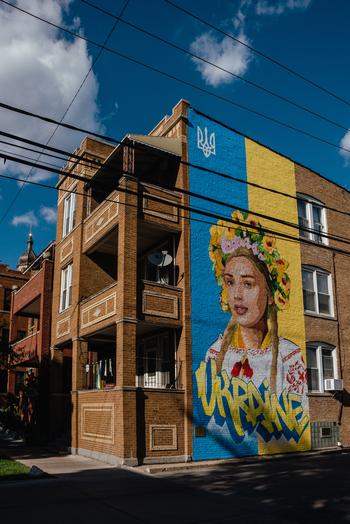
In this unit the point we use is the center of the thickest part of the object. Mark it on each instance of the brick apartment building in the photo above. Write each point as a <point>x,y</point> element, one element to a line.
<point>29,335</point>
<point>10,280</point>
<point>160,347</point>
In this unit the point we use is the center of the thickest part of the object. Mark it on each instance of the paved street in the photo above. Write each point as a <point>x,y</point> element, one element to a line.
<point>309,489</point>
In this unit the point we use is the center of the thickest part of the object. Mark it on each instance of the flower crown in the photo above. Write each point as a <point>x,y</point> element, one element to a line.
<point>247,233</point>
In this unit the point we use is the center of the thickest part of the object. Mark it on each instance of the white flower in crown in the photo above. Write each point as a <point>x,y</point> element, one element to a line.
<point>230,246</point>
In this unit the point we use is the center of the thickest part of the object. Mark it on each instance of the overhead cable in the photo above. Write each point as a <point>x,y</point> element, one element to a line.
<point>187,208</point>
<point>216,66</point>
<point>185,82</point>
<point>135,146</point>
<point>93,63</point>
<point>260,53</point>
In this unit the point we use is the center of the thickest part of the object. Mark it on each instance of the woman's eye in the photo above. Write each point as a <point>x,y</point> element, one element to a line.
<point>229,283</point>
<point>247,285</point>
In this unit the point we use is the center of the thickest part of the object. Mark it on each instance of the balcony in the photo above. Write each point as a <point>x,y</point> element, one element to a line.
<point>102,220</point>
<point>27,298</point>
<point>161,304</point>
<point>98,310</point>
<point>26,349</point>
<point>162,210</point>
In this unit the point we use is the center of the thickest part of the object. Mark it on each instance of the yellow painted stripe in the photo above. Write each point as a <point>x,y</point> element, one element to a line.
<point>271,170</point>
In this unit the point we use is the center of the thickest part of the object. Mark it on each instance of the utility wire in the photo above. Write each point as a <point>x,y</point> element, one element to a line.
<point>93,63</point>
<point>218,202</point>
<point>260,53</point>
<point>214,201</point>
<point>46,147</point>
<point>128,204</point>
<point>26,157</point>
<point>185,82</point>
<point>187,208</point>
<point>19,146</point>
<point>213,64</point>
<point>183,162</point>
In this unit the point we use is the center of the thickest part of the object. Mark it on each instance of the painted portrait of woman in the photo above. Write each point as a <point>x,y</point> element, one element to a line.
<point>254,287</point>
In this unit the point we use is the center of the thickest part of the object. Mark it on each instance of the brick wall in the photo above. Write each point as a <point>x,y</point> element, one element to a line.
<point>334,331</point>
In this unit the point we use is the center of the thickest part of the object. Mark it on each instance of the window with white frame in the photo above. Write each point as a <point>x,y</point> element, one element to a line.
<point>321,365</point>
<point>317,291</point>
<point>66,287</point>
<point>312,219</point>
<point>69,213</point>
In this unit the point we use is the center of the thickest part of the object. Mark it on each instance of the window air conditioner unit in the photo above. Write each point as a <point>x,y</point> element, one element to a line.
<point>333,384</point>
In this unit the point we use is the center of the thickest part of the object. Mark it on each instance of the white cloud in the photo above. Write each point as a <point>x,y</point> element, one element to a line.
<point>41,70</point>
<point>265,7</point>
<point>345,142</point>
<point>49,214</point>
<point>225,53</point>
<point>27,219</point>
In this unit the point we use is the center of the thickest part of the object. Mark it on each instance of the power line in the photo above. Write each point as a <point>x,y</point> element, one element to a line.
<point>19,146</point>
<point>213,64</point>
<point>93,63</point>
<point>185,82</point>
<point>49,164</point>
<point>189,208</point>
<point>46,147</point>
<point>105,166</point>
<point>260,53</point>
<point>219,203</point>
<point>119,142</point>
<point>128,204</point>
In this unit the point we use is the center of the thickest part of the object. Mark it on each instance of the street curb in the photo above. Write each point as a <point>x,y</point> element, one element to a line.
<point>193,466</point>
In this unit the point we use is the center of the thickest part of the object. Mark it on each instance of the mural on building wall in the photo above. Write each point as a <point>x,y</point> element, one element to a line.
<point>248,342</point>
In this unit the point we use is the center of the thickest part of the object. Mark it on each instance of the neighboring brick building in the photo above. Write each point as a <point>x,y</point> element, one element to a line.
<point>31,308</point>
<point>161,348</point>
<point>10,280</point>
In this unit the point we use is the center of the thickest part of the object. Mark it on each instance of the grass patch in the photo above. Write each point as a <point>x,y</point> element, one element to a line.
<point>10,469</point>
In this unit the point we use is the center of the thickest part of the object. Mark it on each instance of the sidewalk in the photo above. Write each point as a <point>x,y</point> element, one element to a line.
<point>49,461</point>
<point>59,463</point>
<point>206,464</point>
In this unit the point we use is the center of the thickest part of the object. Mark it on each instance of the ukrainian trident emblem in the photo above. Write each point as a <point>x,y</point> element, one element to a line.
<point>207,146</point>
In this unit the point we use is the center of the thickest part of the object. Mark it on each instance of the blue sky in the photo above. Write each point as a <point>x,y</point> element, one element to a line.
<point>42,69</point>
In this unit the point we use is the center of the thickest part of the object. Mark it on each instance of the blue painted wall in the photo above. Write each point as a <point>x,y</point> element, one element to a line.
<point>208,320</point>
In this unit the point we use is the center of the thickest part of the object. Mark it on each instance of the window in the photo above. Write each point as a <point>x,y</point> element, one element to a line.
<point>7,299</point>
<point>312,216</point>
<point>69,213</point>
<point>321,364</point>
<point>317,292</point>
<point>66,287</point>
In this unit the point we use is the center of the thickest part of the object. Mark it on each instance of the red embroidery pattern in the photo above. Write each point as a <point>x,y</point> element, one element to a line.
<point>296,378</point>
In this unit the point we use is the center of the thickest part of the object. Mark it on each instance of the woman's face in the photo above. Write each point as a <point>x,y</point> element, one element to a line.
<point>248,295</point>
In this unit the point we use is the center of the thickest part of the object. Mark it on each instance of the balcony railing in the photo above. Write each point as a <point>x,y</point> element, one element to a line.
<point>98,308</point>
<point>160,206</point>
<point>158,373</point>
<point>162,302</point>
<point>101,220</point>
<point>25,349</point>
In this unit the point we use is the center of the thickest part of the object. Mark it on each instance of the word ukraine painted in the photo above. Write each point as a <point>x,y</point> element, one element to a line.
<point>246,408</point>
